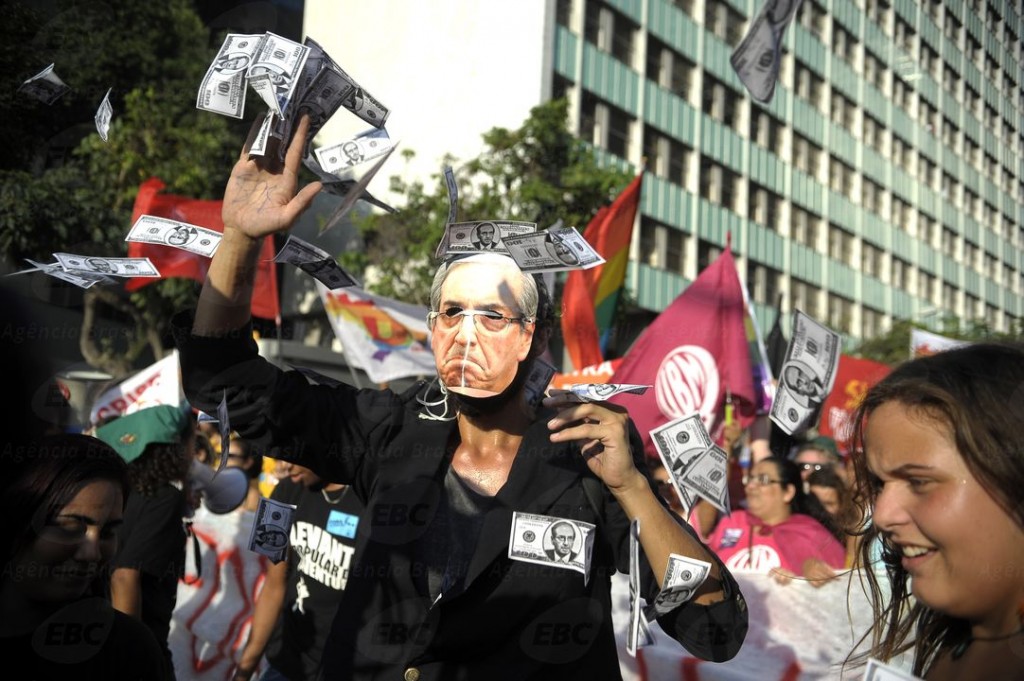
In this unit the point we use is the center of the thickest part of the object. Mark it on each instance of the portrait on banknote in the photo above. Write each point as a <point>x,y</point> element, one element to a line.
<point>99,265</point>
<point>232,63</point>
<point>805,386</point>
<point>564,545</point>
<point>485,237</point>
<point>557,248</point>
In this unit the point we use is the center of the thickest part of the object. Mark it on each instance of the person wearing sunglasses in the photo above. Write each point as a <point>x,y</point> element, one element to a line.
<point>783,529</point>
<point>460,475</point>
<point>818,454</point>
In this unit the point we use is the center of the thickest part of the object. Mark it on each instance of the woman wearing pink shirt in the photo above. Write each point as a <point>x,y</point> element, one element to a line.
<point>781,531</point>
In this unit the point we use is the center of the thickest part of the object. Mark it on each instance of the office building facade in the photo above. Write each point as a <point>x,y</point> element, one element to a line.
<point>882,181</point>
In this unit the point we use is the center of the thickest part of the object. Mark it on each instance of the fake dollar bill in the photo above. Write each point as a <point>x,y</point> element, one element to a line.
<point>482,236</point>
<point>79,279</point>
<point>547,540</point>
<point>807,376</point>
<point>150,229</point>
<point>356,190</point>
<point>46,86</point>
<point>350,153</point>
<point>104,114</point>
<point>275,70</point>
<point>683,576</point>
<point>600,392</point>
<point>111,267</point>
<point>679,443</point>
<point>453,194</point>
<point>271,528</point>
<point>553,250</point>
<point>757,58</point>
<point>537,381</point>
<point>316,262</point>
<point>223,87</point>
<point>639,633</point>
<point>876,670</point>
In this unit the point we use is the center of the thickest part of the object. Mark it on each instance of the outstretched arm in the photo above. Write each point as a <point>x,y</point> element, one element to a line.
<point>261,198</point>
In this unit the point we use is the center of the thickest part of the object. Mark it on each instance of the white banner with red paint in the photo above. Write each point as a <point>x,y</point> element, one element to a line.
<point>797,633</point>
<point>213,615</point>
<point>159,383</point>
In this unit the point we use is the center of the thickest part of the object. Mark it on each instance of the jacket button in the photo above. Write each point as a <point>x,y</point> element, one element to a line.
<point>411,674</point>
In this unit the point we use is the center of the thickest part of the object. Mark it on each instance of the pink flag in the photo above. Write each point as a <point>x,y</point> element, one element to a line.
<point>693,354</point>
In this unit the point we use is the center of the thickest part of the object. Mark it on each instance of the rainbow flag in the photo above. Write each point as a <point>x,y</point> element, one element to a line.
<point>590,296</point>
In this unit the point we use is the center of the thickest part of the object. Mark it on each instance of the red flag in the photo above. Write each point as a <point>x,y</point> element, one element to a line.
<point>174,262</point>
<point>853,378</point>
<point>693,353</point>
<point>590,296</point>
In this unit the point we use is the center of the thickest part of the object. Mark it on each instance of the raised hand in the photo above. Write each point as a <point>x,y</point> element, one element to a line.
<point>261,197</point>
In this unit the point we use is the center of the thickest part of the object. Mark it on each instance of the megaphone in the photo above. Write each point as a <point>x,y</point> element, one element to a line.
<point>222,492</point>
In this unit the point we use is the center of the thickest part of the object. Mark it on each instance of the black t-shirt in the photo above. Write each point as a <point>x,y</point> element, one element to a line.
<point>321,548</point>
<point>86,640</point>
<point>152,541</point>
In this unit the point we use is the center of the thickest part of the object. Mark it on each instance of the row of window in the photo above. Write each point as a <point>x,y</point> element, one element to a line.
<point>664,248</point>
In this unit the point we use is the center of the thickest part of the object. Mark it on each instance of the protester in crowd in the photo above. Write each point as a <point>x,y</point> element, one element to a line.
<point>447,467</point>
<point>782,529</point>
<point>846,517</point>
<point>300,595</point>
<point>151,556</point>
<point>241,455</point>
<point>63,506</point>
<point>938,448</point>
<point>818,454</point>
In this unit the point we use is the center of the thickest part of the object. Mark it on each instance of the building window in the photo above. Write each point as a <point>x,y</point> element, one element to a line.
<point>871,196</point>
<point>762,283</point>
<point>675,250</point>
<point>717,183</point>
<point>805,226</point>
<point>840,245</point>
<point>813,17</point>
<point>871,260</point>
<point>669,69</point>
<point>666,157</point>
<point>707,253</point>
<point>871,322</point>
<point>840,313</point>
<point>902,215</point>
<point>900,274</point>
<point>927,228</point>
<point>650,254</point>
<point>685,5</point>
<point>724,21</point>
<point>840,177</point>
<point>604,125</point>
<point>949,239</point>
<point>844,45</point>
<point>804,297</point>
<point>610,32</point>
<point>948,296</point>
<point>844,111</point>
<point>806,155</point>
<point>809,85</point>
<point>970,255</point>
<point>720,101</point>
<point>764,206</point>
<point>766,131</point>
<point>926,286</point>
<point>563,13</point>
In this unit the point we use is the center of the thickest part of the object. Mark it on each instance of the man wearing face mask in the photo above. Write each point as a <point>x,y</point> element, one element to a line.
<point>447,469</point>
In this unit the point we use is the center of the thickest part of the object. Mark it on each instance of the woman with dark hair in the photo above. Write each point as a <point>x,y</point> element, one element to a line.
<point>781,531</point>
<point>63,504</point>
<point>939,457</point>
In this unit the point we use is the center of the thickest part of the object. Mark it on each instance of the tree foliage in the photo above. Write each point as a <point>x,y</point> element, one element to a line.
<point>539,173</point>
<point>63,189</point>
<point>893,347</point>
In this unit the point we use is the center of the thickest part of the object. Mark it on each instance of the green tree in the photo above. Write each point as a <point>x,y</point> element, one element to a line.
<point>893,347</point>
<point>63,188</point>
<point>539,173</point>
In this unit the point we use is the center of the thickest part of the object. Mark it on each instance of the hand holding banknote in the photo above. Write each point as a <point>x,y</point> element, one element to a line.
<point>261,198</point>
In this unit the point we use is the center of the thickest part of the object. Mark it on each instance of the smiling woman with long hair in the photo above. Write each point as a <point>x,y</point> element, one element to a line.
<point>939,454</point>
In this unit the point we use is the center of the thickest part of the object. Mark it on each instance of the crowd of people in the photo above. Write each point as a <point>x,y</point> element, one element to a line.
<point>405,557</point>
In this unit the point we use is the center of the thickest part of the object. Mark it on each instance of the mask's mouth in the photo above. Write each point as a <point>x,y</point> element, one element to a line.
<point>477,401</point>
